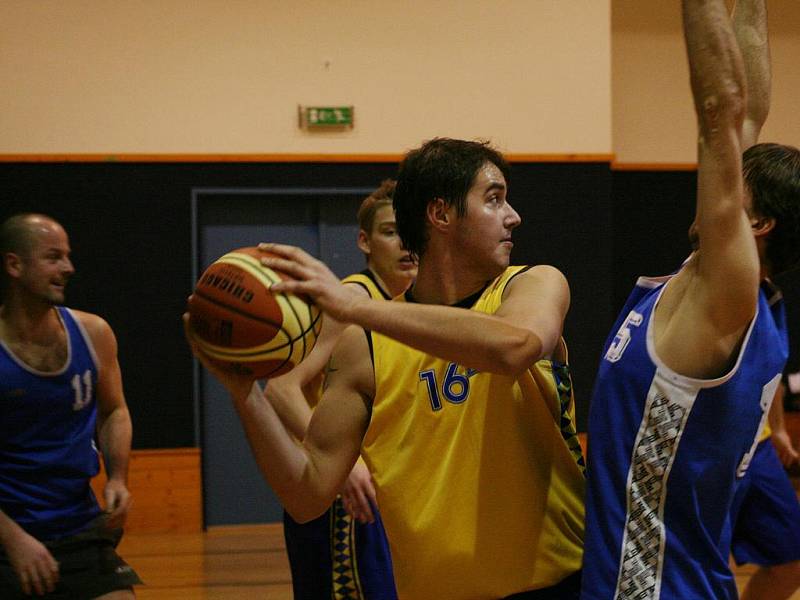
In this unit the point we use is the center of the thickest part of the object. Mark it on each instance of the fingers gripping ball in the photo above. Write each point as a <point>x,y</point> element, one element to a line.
<point>241,325</point>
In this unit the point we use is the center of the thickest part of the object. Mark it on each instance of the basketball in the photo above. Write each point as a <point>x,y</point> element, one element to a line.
<point>242,326</point>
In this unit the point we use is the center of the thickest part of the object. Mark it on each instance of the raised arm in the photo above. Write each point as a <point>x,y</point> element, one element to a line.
<point>526,328</point>
<point>750,27</point>
<point>114,429</point>
<point>723,292</point>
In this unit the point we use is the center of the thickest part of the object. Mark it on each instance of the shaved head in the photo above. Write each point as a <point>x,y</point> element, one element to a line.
<point>18,233</point>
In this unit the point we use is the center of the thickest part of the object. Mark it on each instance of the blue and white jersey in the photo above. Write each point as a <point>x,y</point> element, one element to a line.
<point>47,450</point>
<point>665,452</point>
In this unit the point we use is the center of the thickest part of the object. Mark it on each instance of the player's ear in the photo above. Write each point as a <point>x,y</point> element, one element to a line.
<point>363,242</point>
<point>761,226</point>
<point>438,213</point>
<point>12,264</point>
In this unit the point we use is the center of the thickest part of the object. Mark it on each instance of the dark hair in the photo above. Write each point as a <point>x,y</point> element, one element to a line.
<point>441,168</point>
<point>377,199</point>
<point>772,174</point>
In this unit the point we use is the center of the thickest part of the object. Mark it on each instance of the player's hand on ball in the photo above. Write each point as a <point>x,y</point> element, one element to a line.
<point>239,324</point>
<point>313,278</point>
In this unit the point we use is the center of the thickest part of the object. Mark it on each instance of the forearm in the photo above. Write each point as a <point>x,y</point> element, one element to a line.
<point>470,338</point>
<point>727,260</point>
<point>289,402</point>
<point>286,465</point>
<point>114,434</point>
<point>750,27</point>
<point>715,66</point>
<point>9,530</point>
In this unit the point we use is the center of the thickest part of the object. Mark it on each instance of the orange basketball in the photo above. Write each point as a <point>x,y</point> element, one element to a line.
<point>241,325</point>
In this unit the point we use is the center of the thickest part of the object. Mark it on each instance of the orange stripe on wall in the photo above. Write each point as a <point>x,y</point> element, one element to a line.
<point>276,158</point>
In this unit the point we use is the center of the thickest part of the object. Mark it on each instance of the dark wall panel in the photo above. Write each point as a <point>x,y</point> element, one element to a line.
<point>652,214</point>
<point>566,222</point>
<point>129,227</point>
<point>130,230</point>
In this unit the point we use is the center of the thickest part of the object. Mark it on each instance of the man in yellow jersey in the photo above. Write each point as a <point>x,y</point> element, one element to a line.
<point>457,395</point>
<point>344,554</point>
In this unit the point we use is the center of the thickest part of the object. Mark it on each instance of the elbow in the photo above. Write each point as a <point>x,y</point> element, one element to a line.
<point>303,507</point>
<point>303,515</point>
<point>303,501</point>
<point>722,110</point>
<point>517,355</point>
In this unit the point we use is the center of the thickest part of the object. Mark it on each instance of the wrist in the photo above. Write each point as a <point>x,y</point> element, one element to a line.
<point>9,533</point>
<point>241,391</point>
<point>244,394</point>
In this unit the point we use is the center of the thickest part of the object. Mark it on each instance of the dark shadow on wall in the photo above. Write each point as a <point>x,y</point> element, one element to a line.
<point>130,229</point>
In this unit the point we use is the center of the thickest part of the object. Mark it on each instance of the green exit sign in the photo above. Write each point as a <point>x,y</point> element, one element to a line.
<point>326,116</point>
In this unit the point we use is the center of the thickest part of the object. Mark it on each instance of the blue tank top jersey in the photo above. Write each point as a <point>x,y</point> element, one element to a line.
<point>665,453</point>
<point>47,450</point>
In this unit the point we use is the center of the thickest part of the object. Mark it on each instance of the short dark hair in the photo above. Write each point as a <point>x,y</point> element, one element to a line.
<point>377,199</point>
<point>772,174</point>
<point>441,168</point>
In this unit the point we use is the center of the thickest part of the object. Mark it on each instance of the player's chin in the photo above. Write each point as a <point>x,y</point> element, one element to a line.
<point>504,257</point>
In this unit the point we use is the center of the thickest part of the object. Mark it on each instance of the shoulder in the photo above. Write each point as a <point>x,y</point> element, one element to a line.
<point>98,330</point>
<point>353,343</point>
<point>358,286</point>
<point>544,279</point>
<point>352,360</point>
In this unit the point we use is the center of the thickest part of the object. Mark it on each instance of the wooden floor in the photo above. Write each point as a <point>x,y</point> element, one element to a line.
<point>225,563</point>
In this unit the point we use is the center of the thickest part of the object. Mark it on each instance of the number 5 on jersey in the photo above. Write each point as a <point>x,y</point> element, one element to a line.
<point>623,337</point>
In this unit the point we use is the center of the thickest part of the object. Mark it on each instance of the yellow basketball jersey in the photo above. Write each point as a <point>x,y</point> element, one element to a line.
<point>367,280</point>
<point>313,389</point>
<point>479,476</point>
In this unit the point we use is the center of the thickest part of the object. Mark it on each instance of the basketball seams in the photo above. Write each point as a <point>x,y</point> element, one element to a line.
<point>290,334</point>
<point>280,299</point>
<point>255,268</point>
<point>238,311</point>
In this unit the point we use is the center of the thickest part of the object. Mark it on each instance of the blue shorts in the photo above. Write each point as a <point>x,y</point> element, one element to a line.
<point>765,513</point>
<point>335,556</point>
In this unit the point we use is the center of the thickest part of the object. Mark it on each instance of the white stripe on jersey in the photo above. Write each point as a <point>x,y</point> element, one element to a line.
<point>665,414</point>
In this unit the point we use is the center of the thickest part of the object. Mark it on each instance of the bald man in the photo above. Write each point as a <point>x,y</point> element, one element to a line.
<point>60,384</point>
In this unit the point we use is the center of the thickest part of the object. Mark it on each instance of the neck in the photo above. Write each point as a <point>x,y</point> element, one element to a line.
<point>393,286</point>
<point>27,321</point>
<point>438,284</point>
<point>447,275</point>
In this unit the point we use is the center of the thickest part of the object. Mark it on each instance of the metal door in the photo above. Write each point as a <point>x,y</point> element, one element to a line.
<point>321,221</point>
